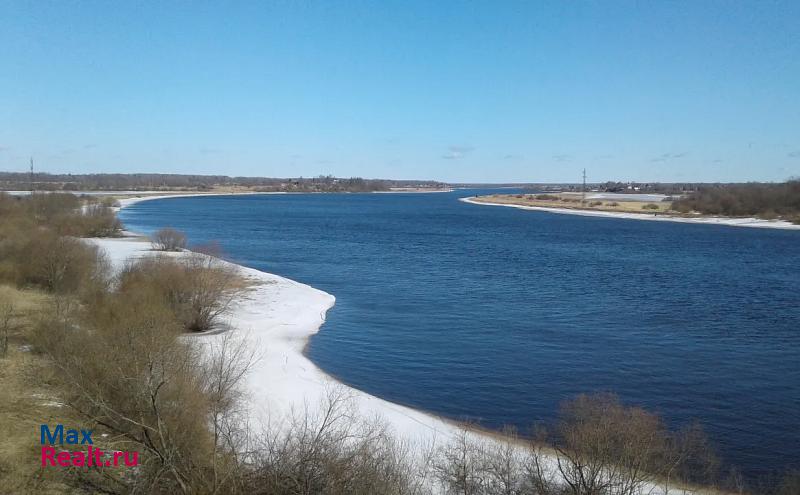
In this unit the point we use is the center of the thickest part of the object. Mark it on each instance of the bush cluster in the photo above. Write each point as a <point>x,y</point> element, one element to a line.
<point>197,288</point>
<point>39,243</point>
<point>737,200</point>
<point>168,239</point>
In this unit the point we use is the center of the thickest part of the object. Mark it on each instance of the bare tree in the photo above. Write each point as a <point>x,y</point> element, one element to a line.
<point>227,361</point>
<point>734,482</point>
<point>605,447</point>
<point>541,477</point>
<point>168,239</point>
<point>461,465</point>
<point>332,450</point>
<point>687,457</point>
<point>504,465</point>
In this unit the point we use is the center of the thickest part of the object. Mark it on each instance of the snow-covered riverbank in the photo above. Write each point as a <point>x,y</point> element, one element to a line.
<point>277,316</point>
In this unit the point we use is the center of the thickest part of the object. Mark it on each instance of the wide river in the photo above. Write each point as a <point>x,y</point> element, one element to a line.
<point>497,314</point>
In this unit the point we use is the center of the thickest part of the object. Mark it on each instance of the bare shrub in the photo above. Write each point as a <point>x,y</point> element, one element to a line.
<point>790,485</point>
<point>761,200</point>
<point>168,239</point>
<point>688,458</point>
<point>541,474</point>
<point>199,289</point>
<point>603,446</point>
<point>109,202</point>
<point>505,465</point>
<point>332,452</point>
<point>90,220</point>
<point>17,225</point>
<point>61,264</point>
<point>516,466</point>
<point>45,207</point>
<point>38,247</point>
<point>734,482</point>
<point>460,465</point>
<point>126,369</point>
<point>226,361</point>
<point>98,221</point>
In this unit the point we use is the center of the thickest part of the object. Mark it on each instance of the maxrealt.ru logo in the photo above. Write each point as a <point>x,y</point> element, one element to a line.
<point>69,458</point>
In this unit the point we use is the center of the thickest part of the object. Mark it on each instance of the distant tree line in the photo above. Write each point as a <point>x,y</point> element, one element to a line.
<point>768,201</point>
<point>147,182</point>
<point>669,188</point>
<point>649,187</point>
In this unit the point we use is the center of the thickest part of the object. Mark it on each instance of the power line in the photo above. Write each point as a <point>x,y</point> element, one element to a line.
<point>583,189</point>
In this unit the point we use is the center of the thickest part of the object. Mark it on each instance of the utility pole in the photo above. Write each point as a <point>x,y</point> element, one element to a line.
<point>583,189</point>
<point>30,175</point>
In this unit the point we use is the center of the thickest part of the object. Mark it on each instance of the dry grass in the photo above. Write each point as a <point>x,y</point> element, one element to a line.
<point>24,301</point>
<point>572,201</point>
<point>29,397</point>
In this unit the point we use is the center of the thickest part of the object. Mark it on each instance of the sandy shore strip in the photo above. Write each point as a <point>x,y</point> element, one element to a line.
<point>727,221</point>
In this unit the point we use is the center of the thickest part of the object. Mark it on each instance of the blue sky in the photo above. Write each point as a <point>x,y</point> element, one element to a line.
<point>454,91</point>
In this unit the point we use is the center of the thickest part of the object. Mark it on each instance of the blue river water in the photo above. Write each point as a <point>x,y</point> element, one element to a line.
<point>496,315</point>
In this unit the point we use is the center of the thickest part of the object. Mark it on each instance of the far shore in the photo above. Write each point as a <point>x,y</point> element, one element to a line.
<point>224,192</point>
<point>658,216</point>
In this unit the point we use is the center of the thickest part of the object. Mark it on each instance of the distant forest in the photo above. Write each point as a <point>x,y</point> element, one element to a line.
<point>10,181</point>
<point>767,201</point>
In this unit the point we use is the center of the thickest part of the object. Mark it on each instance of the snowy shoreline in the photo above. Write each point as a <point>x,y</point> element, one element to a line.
<point>277,317</point>
<point>731,222</point>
